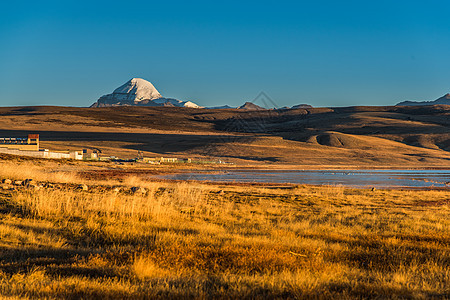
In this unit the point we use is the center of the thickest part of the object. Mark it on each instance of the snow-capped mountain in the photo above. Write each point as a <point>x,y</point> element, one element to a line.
<point>175,102</point>
<point>139,92</point>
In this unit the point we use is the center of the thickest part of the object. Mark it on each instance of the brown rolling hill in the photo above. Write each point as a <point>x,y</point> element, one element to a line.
<point>351,136</point>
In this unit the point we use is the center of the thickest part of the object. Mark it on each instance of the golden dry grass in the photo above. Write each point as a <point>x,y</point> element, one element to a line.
<point>184,240</point>
<point>31,169</point>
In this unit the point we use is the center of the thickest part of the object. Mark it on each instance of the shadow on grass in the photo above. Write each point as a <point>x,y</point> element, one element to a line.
<point>373,253</point>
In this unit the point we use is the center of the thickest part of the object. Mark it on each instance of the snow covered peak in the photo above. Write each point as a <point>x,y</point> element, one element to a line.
<point>139,92</point>
<point>137,89</point>
<point>174,102</point>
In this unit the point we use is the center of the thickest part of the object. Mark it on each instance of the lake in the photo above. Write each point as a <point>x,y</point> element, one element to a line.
<point>350,178</point>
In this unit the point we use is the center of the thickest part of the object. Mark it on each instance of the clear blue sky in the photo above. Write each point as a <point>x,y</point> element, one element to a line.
<point>325,53</point>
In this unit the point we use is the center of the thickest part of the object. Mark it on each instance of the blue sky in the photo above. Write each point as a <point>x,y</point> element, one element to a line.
<point>325,53</point>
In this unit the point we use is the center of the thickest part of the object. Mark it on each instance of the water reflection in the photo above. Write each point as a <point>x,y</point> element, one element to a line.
<point>350,178</point>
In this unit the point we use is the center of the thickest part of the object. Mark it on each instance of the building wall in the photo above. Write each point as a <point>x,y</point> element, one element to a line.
<point>76,155</point>
<point>24,147</point>
<point>168,159</point>
<point>42,154</point>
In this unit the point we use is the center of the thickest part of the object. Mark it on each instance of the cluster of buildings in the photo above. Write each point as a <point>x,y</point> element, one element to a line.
<point>31,143</point>
<point>155,160</point>
<point>30,147</point>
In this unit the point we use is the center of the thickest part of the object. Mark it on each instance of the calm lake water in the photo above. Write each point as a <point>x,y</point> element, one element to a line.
<point>350,178</point>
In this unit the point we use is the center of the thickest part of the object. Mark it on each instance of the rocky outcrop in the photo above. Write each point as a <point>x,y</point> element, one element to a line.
<point>251,106</point>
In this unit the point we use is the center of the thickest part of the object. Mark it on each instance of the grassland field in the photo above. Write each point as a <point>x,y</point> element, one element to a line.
<point>67,235</point>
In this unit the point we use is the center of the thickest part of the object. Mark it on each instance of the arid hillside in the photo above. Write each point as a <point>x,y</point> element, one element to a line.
<point>352,136</point>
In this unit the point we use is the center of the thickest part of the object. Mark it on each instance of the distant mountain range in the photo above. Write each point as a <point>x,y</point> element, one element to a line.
<point>443,100</point>
<point>140,92</point>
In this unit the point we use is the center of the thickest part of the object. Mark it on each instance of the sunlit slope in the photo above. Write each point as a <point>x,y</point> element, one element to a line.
<point>331,136</point>
<point>333,149</point>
